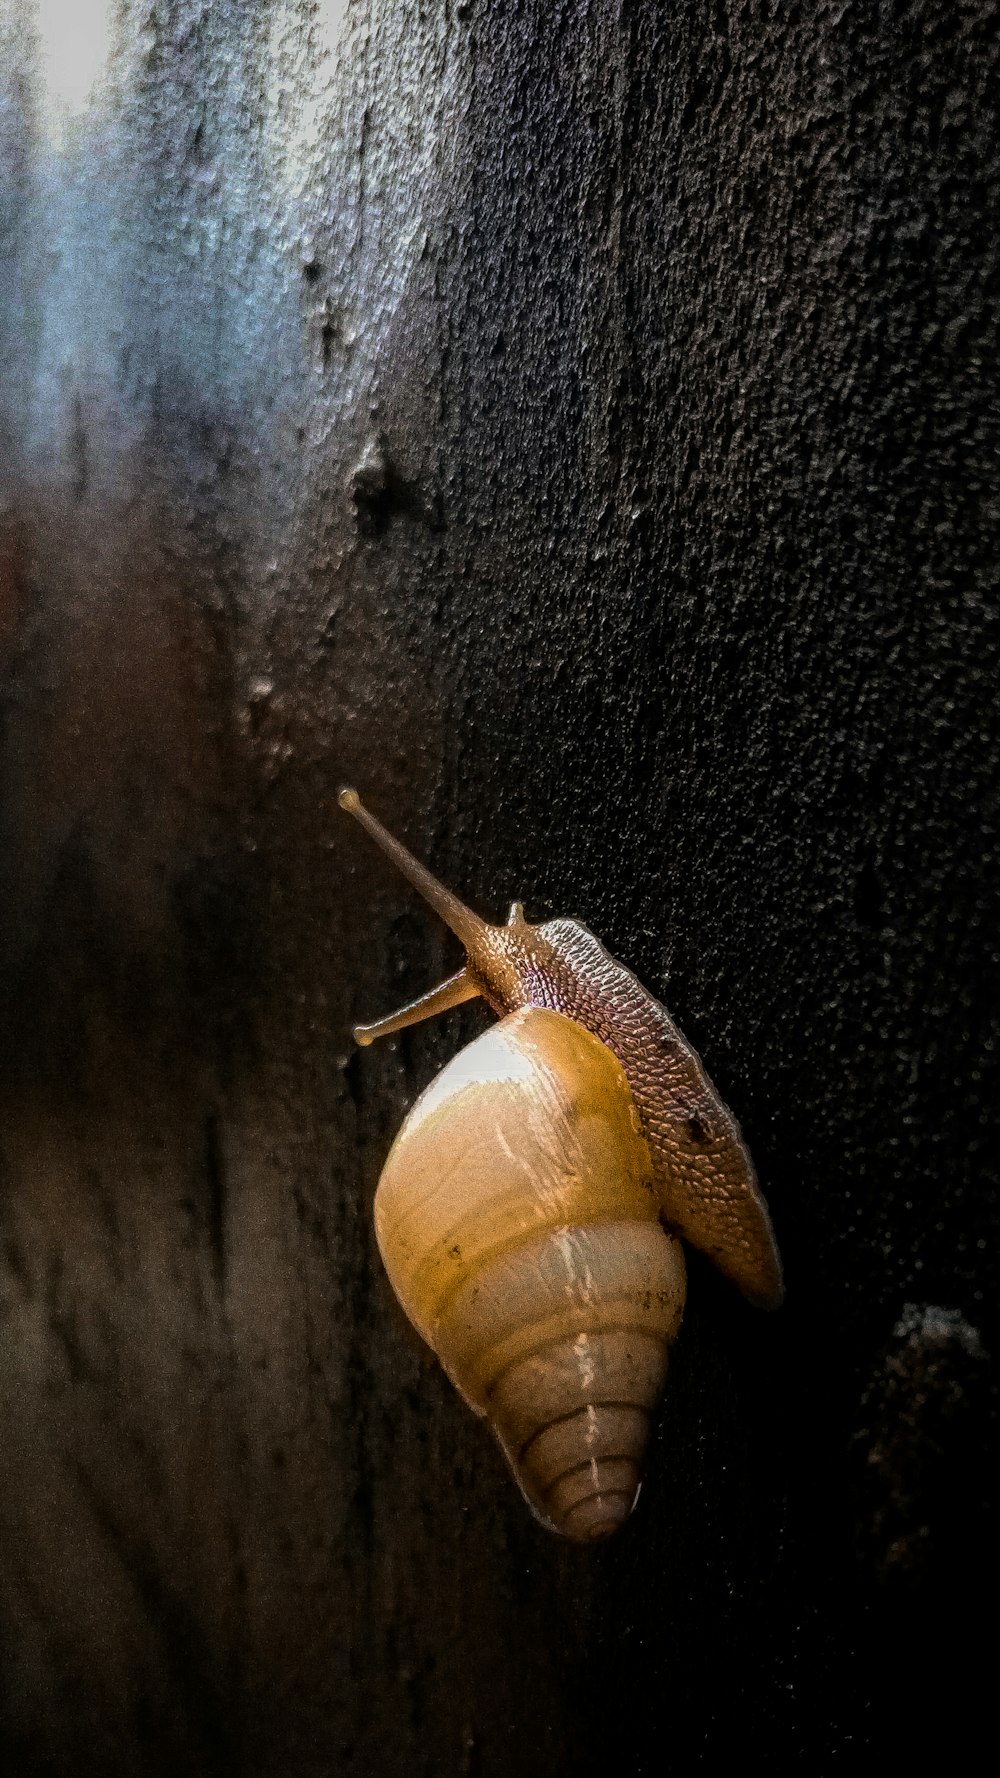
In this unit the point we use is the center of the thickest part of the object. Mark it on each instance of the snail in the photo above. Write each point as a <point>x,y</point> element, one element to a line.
<point>530,1210</point>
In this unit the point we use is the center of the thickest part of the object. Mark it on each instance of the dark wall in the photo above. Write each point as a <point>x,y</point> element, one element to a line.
<point>578,426</point>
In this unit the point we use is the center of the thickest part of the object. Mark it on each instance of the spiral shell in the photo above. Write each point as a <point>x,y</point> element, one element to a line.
<point>518,1224</point>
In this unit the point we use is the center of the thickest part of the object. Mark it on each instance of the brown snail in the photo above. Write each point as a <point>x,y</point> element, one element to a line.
<point>529,1210</point>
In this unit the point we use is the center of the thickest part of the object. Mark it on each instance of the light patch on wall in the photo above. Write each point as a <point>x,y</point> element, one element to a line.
<point>330,16</point>
<point>74,42</point>
<point>359,126</point>
<point>304,66</point>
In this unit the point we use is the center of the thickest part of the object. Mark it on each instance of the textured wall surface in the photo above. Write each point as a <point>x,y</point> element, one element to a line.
<point>577,424</point>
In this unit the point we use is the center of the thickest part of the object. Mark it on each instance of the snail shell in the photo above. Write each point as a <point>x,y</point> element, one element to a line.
<point>517,1222</point>
<point>529,1209</point>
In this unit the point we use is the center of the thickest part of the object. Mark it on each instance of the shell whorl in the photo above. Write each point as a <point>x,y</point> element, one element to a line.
<point>517,1222</point>
<point>563,1345</point>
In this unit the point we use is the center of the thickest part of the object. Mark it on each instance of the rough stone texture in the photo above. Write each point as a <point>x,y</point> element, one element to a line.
<point>578,425</point>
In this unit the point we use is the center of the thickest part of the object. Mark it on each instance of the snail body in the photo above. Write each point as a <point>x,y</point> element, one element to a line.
<point>529,1210</point>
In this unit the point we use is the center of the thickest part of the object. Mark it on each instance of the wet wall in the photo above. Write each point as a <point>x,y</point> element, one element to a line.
<point>576,425</point>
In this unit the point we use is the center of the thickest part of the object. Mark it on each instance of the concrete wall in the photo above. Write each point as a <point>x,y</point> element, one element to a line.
<point>576,424</point>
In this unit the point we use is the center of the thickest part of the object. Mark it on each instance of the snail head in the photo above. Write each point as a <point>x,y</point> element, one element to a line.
<point>499,959</point>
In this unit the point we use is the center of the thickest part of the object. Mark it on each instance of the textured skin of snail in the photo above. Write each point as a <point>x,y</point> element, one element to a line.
<point>704,1176</point>
<point>518,1221</point>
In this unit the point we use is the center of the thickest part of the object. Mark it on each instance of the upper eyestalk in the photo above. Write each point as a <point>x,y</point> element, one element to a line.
<point>478,936</point>
<point>473,932</point>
